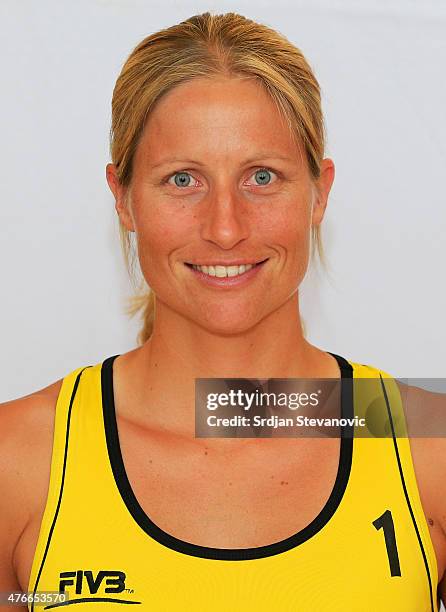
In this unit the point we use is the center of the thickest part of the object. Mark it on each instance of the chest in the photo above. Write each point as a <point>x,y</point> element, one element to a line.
<point>236,497</point>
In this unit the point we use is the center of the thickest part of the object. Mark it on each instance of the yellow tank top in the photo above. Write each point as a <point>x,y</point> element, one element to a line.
<point>368,550</point>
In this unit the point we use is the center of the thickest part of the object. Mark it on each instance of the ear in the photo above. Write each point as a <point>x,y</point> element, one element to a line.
<point>120,193</point>
<point>322,189</point>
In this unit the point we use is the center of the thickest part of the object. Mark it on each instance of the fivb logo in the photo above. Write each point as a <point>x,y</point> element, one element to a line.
<point>114,581</point>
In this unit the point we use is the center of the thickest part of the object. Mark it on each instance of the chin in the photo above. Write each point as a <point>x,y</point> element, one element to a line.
<point>228,326</point>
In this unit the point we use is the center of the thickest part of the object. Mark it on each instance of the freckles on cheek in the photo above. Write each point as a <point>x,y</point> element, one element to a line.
<point>284,228</point>
<point>162,232</point>
<point>150,234</point>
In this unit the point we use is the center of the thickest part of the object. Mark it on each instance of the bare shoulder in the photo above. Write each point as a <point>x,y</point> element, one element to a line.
<point>425,413</point>
<point>26,435</point>
<point>26,422</point>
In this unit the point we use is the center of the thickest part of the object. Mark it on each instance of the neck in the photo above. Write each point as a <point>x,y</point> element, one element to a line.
<point>155,384</point>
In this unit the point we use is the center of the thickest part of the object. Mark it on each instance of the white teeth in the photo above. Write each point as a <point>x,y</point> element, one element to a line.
<point>223,271</point>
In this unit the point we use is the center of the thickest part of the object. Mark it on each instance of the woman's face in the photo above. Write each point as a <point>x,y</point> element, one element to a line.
<point>218,179</point>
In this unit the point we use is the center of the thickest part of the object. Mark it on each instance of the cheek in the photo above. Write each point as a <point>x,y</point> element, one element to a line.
<point>159,233</point>
<point>288,227</point>
<point>288,232</point>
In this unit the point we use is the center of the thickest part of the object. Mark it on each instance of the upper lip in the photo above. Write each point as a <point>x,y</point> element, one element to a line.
<point>238,262</point>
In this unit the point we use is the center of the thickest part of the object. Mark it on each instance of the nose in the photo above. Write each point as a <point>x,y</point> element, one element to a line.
<point>225,216</point>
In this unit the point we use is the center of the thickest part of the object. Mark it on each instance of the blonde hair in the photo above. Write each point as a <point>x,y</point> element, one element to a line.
<point>204,46</point>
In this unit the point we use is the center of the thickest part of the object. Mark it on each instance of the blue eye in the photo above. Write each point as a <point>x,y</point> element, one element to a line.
<point>182,179</point>
<point>263,176</point>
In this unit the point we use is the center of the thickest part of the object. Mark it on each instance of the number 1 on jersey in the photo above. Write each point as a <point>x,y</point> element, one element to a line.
<point>386,522</point>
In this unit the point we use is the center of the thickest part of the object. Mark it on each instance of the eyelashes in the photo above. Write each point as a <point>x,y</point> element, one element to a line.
<point>185,178</point>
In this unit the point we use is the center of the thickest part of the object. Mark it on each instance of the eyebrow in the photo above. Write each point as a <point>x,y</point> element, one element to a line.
<point>258,157</point>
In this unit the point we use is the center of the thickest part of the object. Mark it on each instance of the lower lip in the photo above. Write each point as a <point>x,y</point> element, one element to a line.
<point>228,281</point>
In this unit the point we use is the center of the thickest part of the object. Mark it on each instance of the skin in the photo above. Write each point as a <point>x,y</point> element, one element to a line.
<point>200,331</point>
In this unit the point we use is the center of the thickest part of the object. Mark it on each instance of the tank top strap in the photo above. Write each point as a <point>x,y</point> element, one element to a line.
<point>66,400</point>
<point>379,400</point>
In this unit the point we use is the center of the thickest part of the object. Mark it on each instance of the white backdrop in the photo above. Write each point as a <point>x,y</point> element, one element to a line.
<point>381,66</point>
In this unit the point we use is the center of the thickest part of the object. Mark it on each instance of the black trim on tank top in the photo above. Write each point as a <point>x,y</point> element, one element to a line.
<point>229,554</point>
<point>406,494</point>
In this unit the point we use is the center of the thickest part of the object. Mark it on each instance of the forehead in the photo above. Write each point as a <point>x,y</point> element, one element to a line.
<point>218,117</point>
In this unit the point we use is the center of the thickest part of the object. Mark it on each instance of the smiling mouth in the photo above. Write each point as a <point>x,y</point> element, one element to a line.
<point>229,274</point>
<point>225,266</point>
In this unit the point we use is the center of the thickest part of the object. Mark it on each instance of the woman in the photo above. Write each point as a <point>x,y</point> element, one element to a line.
<point>219,172</point>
